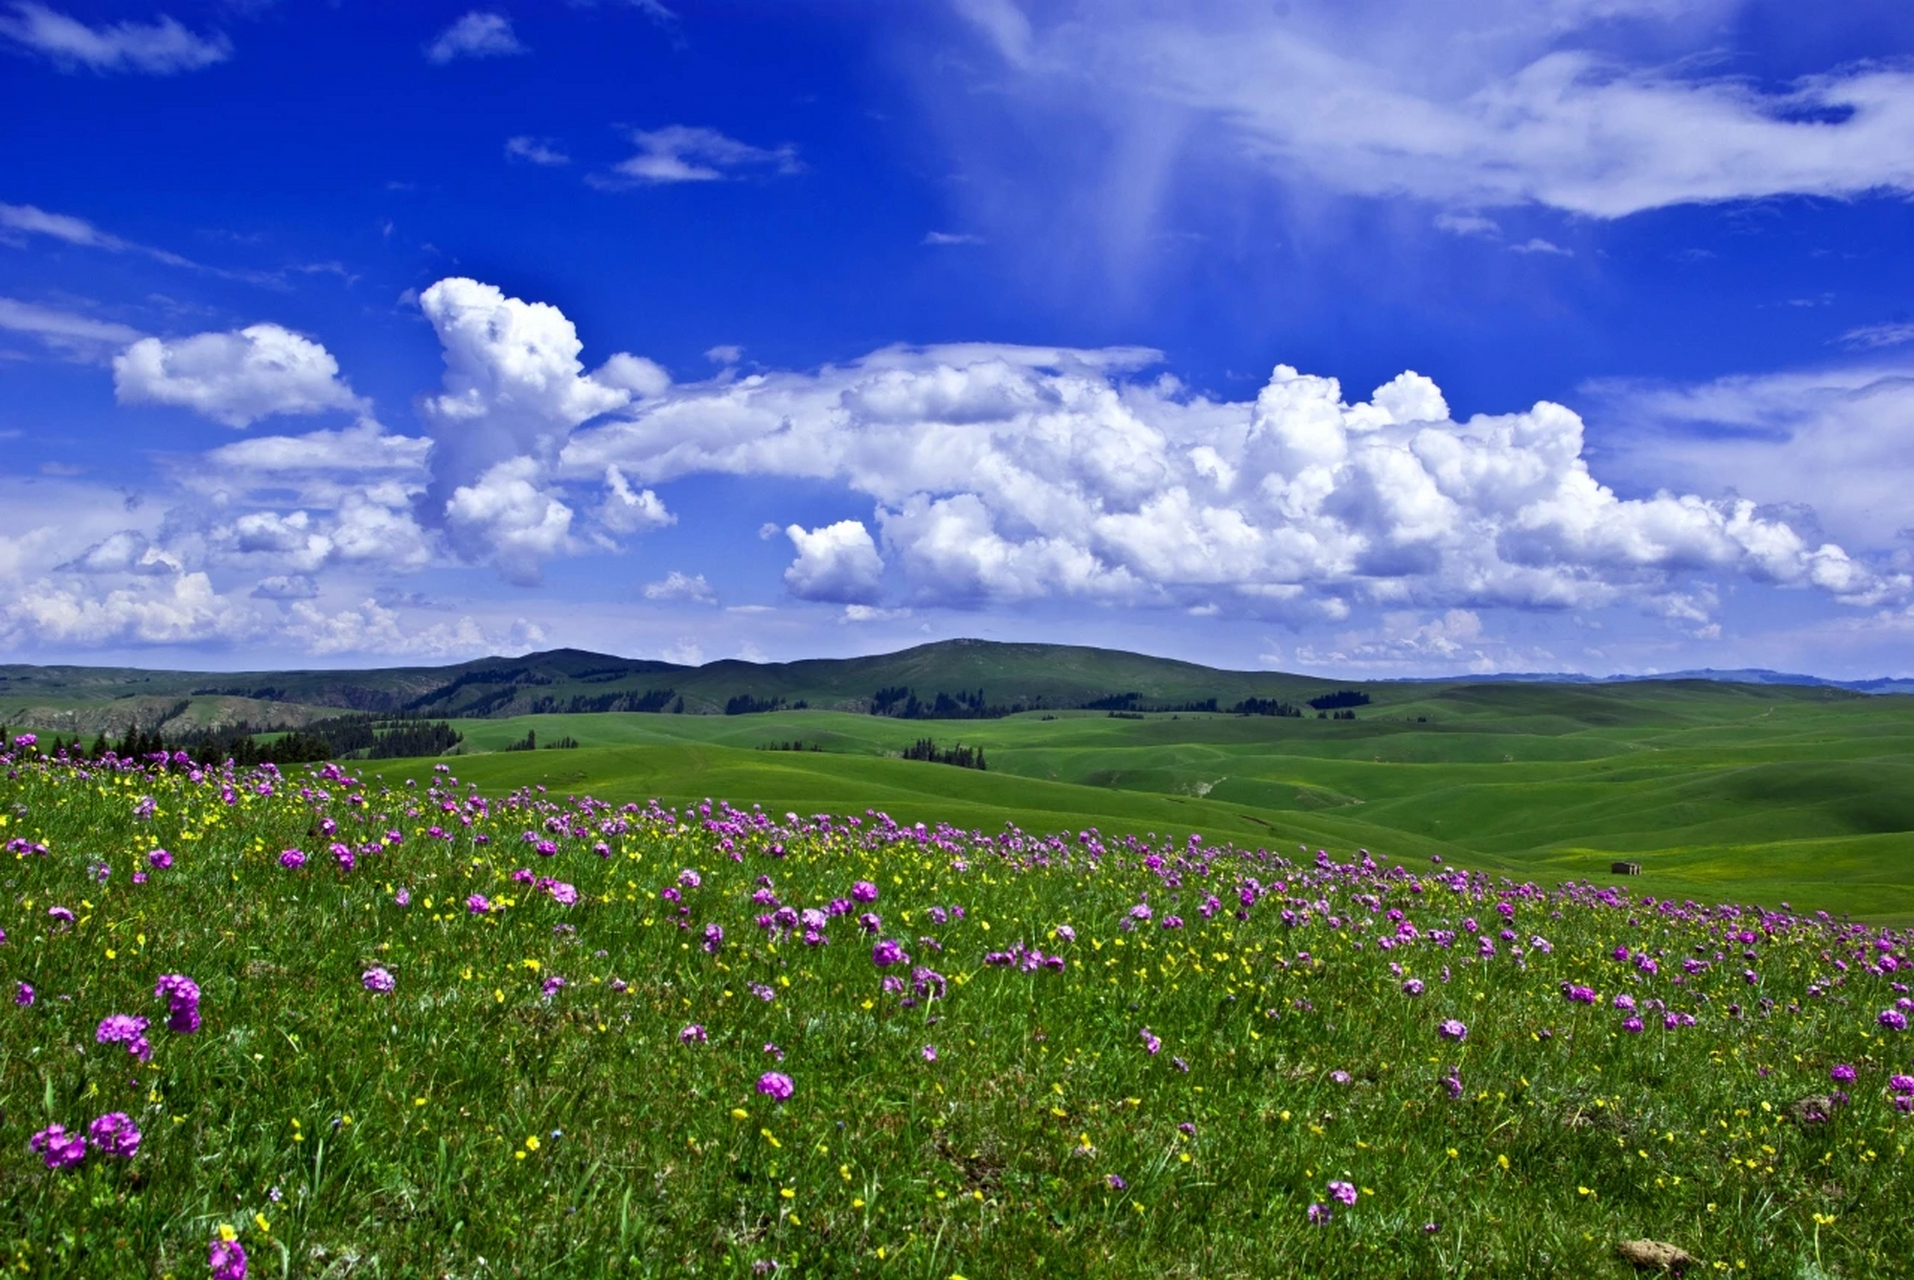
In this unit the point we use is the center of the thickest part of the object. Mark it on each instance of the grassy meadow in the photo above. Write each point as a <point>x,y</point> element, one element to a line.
<point>1757,793</point>
<point>323,1026</point>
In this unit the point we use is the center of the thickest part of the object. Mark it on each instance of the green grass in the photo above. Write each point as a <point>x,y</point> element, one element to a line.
<point>1161,1101</point>
<point>1769,793</point>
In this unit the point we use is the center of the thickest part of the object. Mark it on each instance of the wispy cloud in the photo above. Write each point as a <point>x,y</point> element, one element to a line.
<point>689,153</point>
<point>161,47</point>
<point>65,331</point>
<point>535,151</point>
<point>951,237</point>
<point>1879,335</point>
<point>476,35</point>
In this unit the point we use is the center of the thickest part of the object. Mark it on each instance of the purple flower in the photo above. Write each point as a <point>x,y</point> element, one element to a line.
<point>887,953</point>
<point>776,1085</point>
<point>1116,1182</point>
<point>713,938</point>
<point>115,1134</point>
<point>1413,987</point>
<point>1632,1025</point>
<point>551,986</point>
<point>60,1149</point>
<point>60,916</point>
<point>1841,1073</point>
<point>774,1051</point>
<point>1150,1041</point>
<point>402,898</point>
<point>763,992</point>
<point>1340,1077</point>
<point>179,991</point>
<point>22,994</point>
<point>1901,1084</point>
<point>1892,1019</point>
<point>1319,1214</point>
<point>1065,932</point>
<point>159,859</point>
<point>478,904</point>
<point>930,1053</point>
<point>870,922</point>
<point>563,894</point>
<point>1625,1001</point>
<point>689,878</point>
<point>227,1260</point>
<point>693,1034</point>
<point>377,979</point>
<point>1343,1191</point>
<point>864,891</point>
<point>292,858</point>
<point>1450,1029</point>
<point>120,1028</point>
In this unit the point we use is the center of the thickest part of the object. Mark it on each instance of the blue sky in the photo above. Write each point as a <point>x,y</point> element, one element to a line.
<point>1368,338</point>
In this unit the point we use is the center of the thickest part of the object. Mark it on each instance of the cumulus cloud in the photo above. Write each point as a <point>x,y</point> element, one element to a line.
<point>161,47</point>
<point>1009,473</point>
<point>838,563</point>
<point>475,35</point>
<point>689,153</point>
<point>126,551</point>
<point>513,382</point>
<point>235,378</point>
<point>677,586</point>
<point>505,514</point>
<point>175,609</point>
<point>626,511</point>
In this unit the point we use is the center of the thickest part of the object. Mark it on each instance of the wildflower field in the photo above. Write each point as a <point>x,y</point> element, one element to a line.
<point>303,1024</point>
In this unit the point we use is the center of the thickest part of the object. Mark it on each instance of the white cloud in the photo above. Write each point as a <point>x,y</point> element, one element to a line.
<point>688,153</point>
<point>295,586</point>
<point>625,511</point>
<point>126,551</point>
<point>235,378</point>
<point>724,353</point>
<point>1839,441</point>
<point>1601,108</point>
<point>1459,223</point>
<point>838,562</point>
<point>951,238</point>
<point>854,613</point>
<point>677,586</point>
<point>65,331</point>
<point>686,653</point>
<point>1539,245</point>
<point>1006,473</point>
<point>29,220</point>
<point>635,374</point>
<point>1879,335</point>
<point>161,47</point>
<point>541,151</point>
<point>175,609</point>
<point>476,35</point>
<point>513,382</point>
<point>506,515</point>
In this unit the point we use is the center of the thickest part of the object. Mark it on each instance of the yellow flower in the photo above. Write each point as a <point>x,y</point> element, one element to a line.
<point>739,1113</point>
<point>265,1227</point>
<point>531,1143</point>
<point>787,1193</point>
<point>226,1232</point>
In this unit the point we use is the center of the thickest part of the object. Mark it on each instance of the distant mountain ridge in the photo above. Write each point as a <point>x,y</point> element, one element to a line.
<point>1735,675</point>
<point>945,679</point>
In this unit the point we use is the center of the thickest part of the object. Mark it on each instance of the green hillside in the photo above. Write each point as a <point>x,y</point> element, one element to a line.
<point>1765,792</point>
